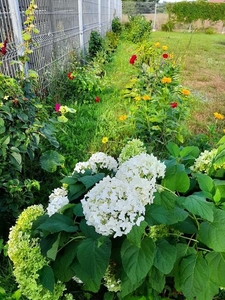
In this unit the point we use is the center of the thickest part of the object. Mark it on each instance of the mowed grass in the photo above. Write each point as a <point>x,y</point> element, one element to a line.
<point>203,71</point>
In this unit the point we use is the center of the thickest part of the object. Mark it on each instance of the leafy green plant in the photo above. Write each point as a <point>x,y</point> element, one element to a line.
<point>116,25</point>
<point>155,252</point>
<point>95,43</point>
<point>138,29</point>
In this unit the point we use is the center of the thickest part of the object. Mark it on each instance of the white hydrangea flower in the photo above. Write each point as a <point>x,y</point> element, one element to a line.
<point>142,165</point>
<point>204,162</point>
<point>100,160</point>
<point>57,200</point>
<point>112,206</point>
<point>96,162</point>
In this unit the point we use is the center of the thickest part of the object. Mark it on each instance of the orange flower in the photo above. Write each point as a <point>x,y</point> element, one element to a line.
<point>123,118</point>
<point>218,116</point>
<point>146,97</point>
<point>185,92</point>
<point>166,80</point>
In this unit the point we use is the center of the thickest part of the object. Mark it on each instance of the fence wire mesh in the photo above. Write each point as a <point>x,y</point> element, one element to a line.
<point>64,28</point>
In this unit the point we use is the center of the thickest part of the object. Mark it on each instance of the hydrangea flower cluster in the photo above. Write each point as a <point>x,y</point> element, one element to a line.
<point>97,162</point>
<point>131,149</point>
<point>25,253</point>
<point>115,205</point>
<point>204,162</point>
<point>57,200</point>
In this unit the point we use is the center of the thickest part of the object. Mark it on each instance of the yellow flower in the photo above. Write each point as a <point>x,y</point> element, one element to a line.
<point>123,118</point>
<point>164,48</point>
<point>6,97</point>
<point>171,56</point>
<point>105,140</point>
<point>218,116</point>
<point>224,131</point>
<point>146,97</point>
<point>63,109</point>
<point>166,80</point>
<point>137,98</point>
<point>157,44</point>
<point>185,92</point>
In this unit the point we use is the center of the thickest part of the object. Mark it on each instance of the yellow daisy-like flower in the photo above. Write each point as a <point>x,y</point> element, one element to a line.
<point>185,92</point>
<point>137,98</point>
<point>146,97</point>
<point>166,80</point>
<point>105,140</point>
<point>171,56</point>
<point>123,118</point>
<point>218,116</point>
<point>164,48</point>
<point>157,44</point>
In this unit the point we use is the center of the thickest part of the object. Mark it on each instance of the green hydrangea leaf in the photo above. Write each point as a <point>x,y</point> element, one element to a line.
<point>156,279</point>
<point>46,277</point>
<point>165,256</point>
<point>176,178</point>
<point>137,261</point>
<point>57,223</point>
<point>89,181</point>
<point>136,233</point>
<point>197,205</point>
<point>212,233</point>
<point>156,214</point>
<point>194,276</point>
<point>93,256</point>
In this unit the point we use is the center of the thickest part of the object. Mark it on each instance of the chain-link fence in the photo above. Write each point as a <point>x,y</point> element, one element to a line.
<point>64,27</point>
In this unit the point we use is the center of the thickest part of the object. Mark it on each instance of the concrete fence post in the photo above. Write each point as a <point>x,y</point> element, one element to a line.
<point>81,25</point>
<point>100,16</point>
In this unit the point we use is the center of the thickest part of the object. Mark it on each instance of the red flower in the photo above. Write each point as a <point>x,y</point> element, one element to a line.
<point>132,59</point>
<point>3,49</point>
<point>70,76</point>
<point>97,99</point>
<point>57,107</point>
<point>173,104</point>
<point>165,55</point>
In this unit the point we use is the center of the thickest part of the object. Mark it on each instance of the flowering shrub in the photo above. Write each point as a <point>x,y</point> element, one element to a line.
<point>149,228</point>
<point>160,117</point>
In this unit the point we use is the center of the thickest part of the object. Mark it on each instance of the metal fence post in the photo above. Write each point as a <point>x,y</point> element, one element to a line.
<point>81,26</point>
<point>100,16</point>
<point>17,29</point>
<point>109,14</point>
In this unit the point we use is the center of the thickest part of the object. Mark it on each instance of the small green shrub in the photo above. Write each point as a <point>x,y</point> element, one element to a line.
<point>116,25</point>
<point>168,27</point>
<point>138,30</point>
<point>95,43</point>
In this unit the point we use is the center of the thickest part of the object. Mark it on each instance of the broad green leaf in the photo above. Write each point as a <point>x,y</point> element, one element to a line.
<point>128,286</point>
<point>23,117</point>
<point>76,190</point>
<point>197,205</point>
<point>165,256</point>
<point>205,182</point>
<point>212,233</point>
<point>2,126</point>
<point>46,277</point>
<point>137,261</point>
<point>190,152</point>
<point>216,262</point>
<point>57,223</point>
<point>156,214</point>
<point>94,258</point>
<point>176,178</point>
<point>156,279</point>
<point>165,199</point>
<point>88,231</point>
<point>26,36</point>
<point>173,149</point>
<point>17,157</point>
<point>78,210</point>
<point>219,160</point>
<point>136,234</point>
<point>186,226</point>
<point>50,160</point>
<point>52,253</point>
<point>194,275</point>
<point>89,181</point>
